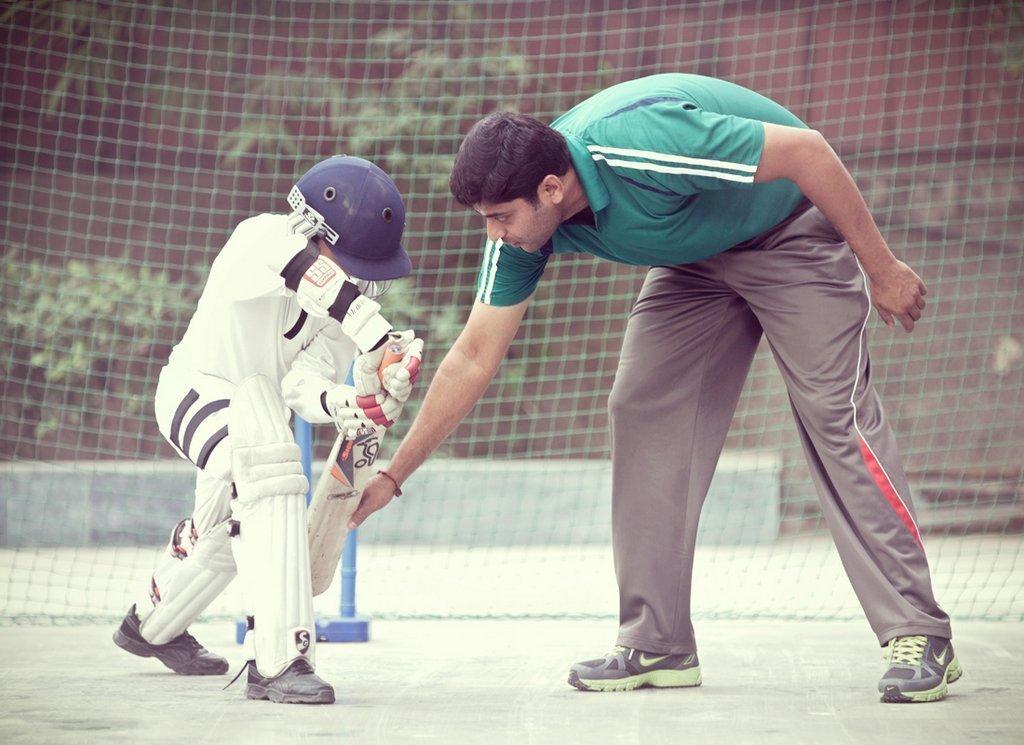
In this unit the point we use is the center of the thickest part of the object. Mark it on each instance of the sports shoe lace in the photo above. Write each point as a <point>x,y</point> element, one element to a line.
<point>302,666</point>
<point>245,667</point>
<point>907,650</point>
<point>190,641</point>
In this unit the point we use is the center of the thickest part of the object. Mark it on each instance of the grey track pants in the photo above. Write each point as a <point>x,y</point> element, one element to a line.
<point>688,347</point>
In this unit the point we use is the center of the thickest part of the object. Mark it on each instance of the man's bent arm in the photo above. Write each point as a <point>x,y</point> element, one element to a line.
<point>461,379</point>
<point>804,157</point>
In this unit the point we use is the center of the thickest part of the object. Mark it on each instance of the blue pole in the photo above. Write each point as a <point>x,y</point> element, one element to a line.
<point>304,438</point>
<point>348,556</point>
<point>348,577</point>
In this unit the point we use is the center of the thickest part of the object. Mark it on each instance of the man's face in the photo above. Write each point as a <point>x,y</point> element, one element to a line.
<point>521,223</point>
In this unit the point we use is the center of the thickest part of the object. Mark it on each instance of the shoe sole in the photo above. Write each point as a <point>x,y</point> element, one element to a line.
<point>140,649</point>
<point>893,695</point>
<point>654,679</point>
<point>261,693</point>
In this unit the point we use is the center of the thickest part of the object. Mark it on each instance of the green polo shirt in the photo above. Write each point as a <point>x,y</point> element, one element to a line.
<point>667,163</point>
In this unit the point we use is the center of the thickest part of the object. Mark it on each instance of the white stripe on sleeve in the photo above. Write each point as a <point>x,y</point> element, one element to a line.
<point>670,158</point>
<point>488,247</point>
<point>639,165</point>
<point>491,271</point>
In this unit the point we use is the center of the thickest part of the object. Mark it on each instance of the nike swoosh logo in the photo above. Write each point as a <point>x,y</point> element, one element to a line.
<point>646,661</point>
<point>941,659</point>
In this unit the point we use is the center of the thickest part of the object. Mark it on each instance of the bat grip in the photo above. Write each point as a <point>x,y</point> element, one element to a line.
<point>392,354</point>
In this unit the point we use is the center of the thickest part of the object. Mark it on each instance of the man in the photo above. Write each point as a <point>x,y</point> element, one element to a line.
<point>287,306</point>
<point>752,225</point>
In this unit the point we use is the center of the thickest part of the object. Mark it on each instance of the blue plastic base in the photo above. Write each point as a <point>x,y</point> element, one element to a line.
<point>332,629</point>
<point>339,629</point>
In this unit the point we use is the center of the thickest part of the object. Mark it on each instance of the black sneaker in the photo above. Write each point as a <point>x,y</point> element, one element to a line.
<point>920,669</point>
<point>624,669</point>
<point>183,654</point>
<point>297,684</point>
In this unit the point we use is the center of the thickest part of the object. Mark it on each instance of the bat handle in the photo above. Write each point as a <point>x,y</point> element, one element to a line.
<point>392,354</point>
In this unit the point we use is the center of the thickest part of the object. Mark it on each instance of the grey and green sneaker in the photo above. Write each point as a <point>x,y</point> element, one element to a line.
<point>920,669</point>
<point>624,669</point>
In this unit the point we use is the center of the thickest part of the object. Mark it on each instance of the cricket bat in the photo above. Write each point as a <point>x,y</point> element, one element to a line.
<point>338,491</point>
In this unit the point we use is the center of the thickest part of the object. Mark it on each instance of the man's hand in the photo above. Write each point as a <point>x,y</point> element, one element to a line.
<point>376,495</point>
<point>897,292</point>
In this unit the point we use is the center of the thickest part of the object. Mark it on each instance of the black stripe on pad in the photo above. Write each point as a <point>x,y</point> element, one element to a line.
<point>199,417</point>
<point>179,414</point>
<point>297,266</point>
<point>294,330</point>
<point>214,441</point>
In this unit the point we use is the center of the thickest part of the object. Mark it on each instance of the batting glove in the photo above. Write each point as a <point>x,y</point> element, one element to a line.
<point>398,378</point>
<point>351,411</point>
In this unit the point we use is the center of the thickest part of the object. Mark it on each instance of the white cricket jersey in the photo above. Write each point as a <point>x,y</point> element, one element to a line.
<point>248,322</point>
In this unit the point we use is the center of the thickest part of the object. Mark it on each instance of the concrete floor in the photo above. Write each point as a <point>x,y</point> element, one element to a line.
<point>504,682</point>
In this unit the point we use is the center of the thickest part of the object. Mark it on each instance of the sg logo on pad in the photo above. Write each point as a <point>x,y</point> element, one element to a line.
<point>302,640</point>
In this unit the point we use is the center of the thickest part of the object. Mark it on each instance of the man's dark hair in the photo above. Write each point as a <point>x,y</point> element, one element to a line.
<point>505,156</point>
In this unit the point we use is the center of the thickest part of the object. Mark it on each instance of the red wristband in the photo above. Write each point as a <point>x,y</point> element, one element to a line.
<point>389,477</point>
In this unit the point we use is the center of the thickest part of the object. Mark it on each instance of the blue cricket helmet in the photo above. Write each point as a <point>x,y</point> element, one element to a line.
<point>357,209</point>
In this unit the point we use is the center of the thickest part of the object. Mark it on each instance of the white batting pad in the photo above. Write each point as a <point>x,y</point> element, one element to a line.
<point>201,577</point>
<point>271,548</point>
